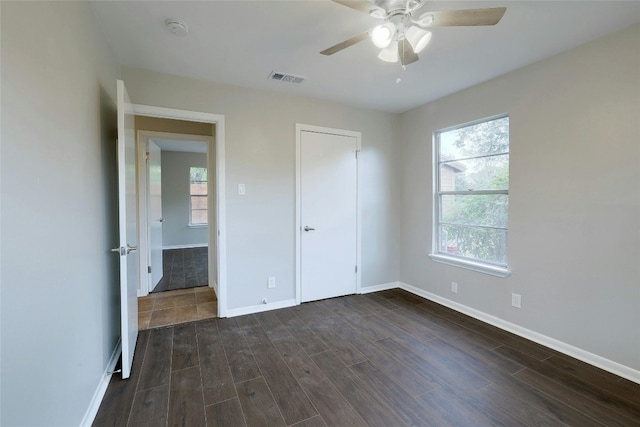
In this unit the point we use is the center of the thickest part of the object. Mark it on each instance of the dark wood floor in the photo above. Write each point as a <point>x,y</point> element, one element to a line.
<point>183,269</point>
<point>383,359</point>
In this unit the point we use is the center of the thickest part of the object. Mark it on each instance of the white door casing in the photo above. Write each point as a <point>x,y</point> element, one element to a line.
<point>128,230</point>
<point>217,205</point>
<point>154,174</point>
<point>327,220</point>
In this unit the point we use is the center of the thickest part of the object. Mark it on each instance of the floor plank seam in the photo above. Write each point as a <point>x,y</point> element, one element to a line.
<point>221,401</point>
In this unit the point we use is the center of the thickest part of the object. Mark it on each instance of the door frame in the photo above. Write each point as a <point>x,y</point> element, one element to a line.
<point>298,223</point>
<point>217,210</point>
<point>142,139</point>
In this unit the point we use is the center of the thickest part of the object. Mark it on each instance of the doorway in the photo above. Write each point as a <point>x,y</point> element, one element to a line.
<point>177,192</point>
<point>327,213</point>
<point>214,153</point>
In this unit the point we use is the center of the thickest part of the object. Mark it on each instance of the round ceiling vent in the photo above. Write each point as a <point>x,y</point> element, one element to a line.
<point>177,27</point>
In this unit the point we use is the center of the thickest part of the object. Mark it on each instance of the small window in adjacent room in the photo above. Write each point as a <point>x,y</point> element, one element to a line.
<point>471,195</point>
<point>198,196</point>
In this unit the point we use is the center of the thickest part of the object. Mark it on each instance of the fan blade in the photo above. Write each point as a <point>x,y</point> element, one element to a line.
<point>406,53</point>
<point>359,5</point>
<point>345,44</point>
<point>467,17</point>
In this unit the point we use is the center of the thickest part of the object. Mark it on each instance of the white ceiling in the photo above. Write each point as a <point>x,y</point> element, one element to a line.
<point>241,42</point>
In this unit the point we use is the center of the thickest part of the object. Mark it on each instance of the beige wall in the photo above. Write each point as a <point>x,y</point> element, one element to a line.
<point>574,208</point>
<point>60,312</point>
<point>157,124</point>
<point>260,144</point>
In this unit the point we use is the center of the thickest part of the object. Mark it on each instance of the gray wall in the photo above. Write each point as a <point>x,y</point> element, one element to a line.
<point>175,199</point>
<point>574,208</point>
<point>260,144</point>
<point>60,307</point>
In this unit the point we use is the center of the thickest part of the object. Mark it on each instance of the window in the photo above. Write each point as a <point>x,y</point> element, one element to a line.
<point>198,196</point>
<point>471,195</point>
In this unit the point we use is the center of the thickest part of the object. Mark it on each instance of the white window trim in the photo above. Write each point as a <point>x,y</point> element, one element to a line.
<point>197,224</point>
<point>190,225</point>
<point>435,255</point>
<point>480,267</point>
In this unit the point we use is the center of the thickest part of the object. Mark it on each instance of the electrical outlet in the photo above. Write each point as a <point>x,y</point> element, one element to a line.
<point>271,282</point>
<point>516,300</point>
<point>454,287</point>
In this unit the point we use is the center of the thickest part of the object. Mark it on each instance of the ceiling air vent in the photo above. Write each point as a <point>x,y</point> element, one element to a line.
<point>283,77</point>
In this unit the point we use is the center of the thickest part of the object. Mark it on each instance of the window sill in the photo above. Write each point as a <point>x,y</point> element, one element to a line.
<point>197,225</point>
<point>470,265</point>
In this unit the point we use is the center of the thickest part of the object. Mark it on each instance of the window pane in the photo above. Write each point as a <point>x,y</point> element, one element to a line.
<point>473,159</point>
<point>198,202</point>
<point>481,244</point>
<point>199,217</point>
<point>198,174</point>
<point>199,188</point>
<point>198,192</point>
<point>489,210</point>
<point>481,139</point>
<point>486,173</point>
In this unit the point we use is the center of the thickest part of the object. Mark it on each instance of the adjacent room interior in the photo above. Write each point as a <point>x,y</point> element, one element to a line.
<point>389,213</point>
<point>176,219</point>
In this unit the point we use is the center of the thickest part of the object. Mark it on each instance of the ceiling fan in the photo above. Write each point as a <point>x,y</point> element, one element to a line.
<point>404,34</point>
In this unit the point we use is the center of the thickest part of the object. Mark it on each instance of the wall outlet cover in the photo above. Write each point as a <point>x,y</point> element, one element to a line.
<point>516,300</point>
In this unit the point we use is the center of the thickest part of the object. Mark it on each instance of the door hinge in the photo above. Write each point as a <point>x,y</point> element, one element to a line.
<point>357,151</point>
<point>147,156</point>
<point>149,269</point>
<point>356,269</point>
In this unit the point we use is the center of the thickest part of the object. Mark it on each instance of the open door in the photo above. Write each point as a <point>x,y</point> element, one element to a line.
<point>155,212</point>
<point>127,218</point>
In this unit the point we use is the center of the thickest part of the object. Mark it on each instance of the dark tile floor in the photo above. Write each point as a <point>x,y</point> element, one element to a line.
<point>385,359</point>
<point>184,268</point>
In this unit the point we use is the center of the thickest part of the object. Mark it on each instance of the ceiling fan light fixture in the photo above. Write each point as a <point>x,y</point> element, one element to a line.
<point>382,35</point>
<point>390,53</point>
<point>425,19</point>
<point>418,38</point>
<point>377,13</point>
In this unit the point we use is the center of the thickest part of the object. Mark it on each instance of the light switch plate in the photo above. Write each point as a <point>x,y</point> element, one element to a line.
<point>516,300</point>
<point>241,189</point>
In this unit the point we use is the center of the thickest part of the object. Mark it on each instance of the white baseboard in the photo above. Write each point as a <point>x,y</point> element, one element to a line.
<point>260,308</point>
<point>290,303</point>
<point>378,288</point>
<point>96,400</point>
<point>575,352</point>
<point>188,246</point>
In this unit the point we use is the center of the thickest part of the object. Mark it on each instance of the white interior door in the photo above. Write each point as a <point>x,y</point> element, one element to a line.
<point>328,215</point>
<point>127,215</point>
<point>155,212</point>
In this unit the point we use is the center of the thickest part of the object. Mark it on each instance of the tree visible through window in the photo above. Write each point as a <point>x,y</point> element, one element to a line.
<point>472,191</point>
<point>198,196</point>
